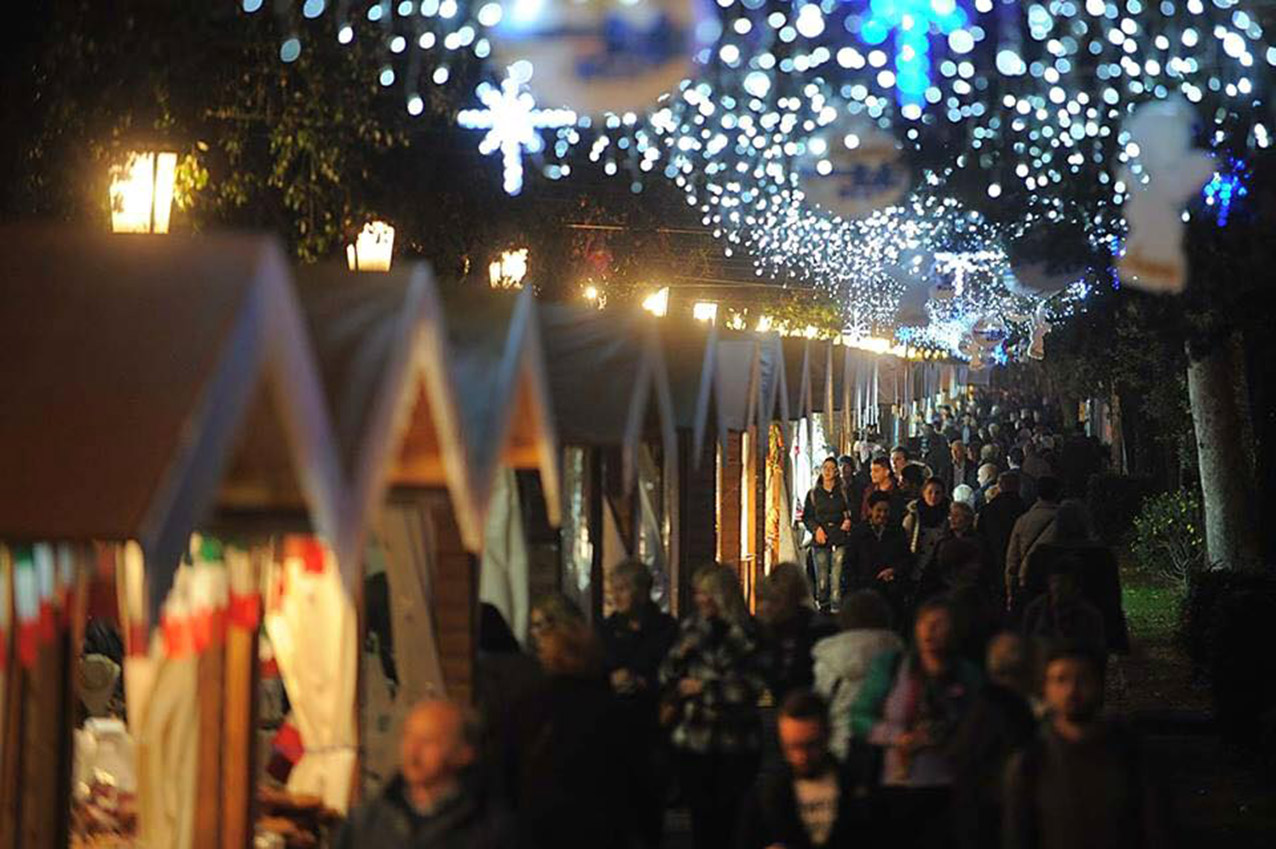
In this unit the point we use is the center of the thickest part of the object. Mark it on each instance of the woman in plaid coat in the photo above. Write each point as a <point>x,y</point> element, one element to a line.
<point>711,682</point>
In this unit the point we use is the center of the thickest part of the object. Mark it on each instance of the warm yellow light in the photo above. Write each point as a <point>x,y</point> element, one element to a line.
<point>811,331</point>
<point>657,303</point>
<point>875,344</point>
<point>142,192</point>
<point>705,311</point>
<point>736,322</point>
<point>373,248</point>
<point>591,293</point>
<point>508,271</point>
<point>764,324</point>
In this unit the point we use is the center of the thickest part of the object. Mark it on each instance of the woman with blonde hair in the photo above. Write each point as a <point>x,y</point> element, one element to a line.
<point>711,682</point>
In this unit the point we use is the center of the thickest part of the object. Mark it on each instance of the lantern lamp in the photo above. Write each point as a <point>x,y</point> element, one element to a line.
<point>508,271</point>
<point>373,248</point>
<point>705,311</point>
<point>657,303</point>
<point>142,192</point>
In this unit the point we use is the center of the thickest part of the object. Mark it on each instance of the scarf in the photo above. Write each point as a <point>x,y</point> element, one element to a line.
<point>932,517</point>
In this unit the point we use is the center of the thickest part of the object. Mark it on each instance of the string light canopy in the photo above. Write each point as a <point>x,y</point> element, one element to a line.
<point>1016,108</point>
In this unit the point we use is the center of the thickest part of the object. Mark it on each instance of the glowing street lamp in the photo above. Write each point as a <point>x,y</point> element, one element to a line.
<point>373,248</point>
<point>657,303</point>
<point>142,192</point>
<point>508,271</point>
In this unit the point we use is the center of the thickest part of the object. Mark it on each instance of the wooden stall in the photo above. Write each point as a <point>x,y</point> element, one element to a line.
<point>691,352</point>
<point>763,466</point>
<point>432,400</point>
<point>739,377</point>
<point>614,415</point>
<point>156,386</point>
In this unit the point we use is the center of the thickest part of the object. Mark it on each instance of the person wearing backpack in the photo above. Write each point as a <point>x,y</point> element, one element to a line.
<point>1084,782</point>
<point>1033,528</point>
<point>843,660</point>
<point>909,708</point>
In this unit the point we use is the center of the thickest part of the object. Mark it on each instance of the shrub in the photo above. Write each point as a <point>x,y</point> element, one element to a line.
<point>1169,536</point>
<point>1114,501</point>
<point>1226,630</point>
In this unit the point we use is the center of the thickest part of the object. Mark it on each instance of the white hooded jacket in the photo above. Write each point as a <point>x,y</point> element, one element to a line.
<point>841,664</point>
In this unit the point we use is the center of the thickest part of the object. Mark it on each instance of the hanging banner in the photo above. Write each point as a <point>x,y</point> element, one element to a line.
<point>865,171</point>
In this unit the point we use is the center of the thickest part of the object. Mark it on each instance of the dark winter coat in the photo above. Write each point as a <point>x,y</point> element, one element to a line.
<point>465,821</point>
<point>995,524</point>
<point>1099,580</point>
<point>998,723</point>
<point>574,761</point>
<point>869,552</point>
<point>1099,793</point>
<point>827,510</point>
<point>787,648</point>
<point>968,475</point>
<point>640,651</point>
<point>769,816</point>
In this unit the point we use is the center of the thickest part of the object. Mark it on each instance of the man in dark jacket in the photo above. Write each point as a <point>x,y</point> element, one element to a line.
<point>878,556</point>
<point>431,803</point>
<point>882,479</point>
<point>999,723</point>
<point>1085,782</point>
<point>961,468</point>
<point>810,802</point>
<point>997,520</point>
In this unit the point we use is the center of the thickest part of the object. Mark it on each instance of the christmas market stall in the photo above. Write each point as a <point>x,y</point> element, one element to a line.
<point>691,353</point>
<point>739,376</point>
<point>614,414</point>
<point>170,455</point>
<point>436,403</point>
<point>755,455</point>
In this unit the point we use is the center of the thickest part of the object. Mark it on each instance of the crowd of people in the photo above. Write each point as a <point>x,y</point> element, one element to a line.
<point>938,683</point>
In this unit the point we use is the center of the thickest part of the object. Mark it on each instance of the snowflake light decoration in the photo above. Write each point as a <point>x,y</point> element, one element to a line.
<point>513,123</point>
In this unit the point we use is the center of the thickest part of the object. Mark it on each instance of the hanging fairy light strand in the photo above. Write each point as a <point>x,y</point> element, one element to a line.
<point>1024,103</point>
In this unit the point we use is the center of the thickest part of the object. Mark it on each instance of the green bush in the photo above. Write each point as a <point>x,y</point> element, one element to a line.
<point>1225,629</point>
<point>1114,500</point>
<point>1169,536</point>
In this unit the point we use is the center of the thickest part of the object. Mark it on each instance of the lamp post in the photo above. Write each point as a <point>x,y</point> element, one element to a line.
<point>373,248</point>
<point>142,192</point>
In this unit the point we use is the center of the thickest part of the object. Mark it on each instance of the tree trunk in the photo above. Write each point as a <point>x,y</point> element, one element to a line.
<point>1231,535</point>
<point>1118,433</point>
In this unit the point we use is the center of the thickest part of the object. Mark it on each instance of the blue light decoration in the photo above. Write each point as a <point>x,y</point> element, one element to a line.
<point>1227,184</point>
<point>1000,355</point>
<point>513,122</point>
<point>914,23</point>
